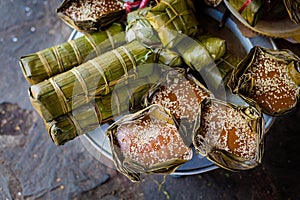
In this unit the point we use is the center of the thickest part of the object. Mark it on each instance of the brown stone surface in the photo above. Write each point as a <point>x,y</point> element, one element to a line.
<point>32,167</point>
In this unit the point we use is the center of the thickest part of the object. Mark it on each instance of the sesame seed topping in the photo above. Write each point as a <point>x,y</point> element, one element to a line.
<point>82,10</point>
<point>150,141</point>
<point>273,89</point>
<point>182,97</point>
<point>224,128</point>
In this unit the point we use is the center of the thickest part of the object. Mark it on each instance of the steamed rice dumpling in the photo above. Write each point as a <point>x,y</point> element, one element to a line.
<point>200,52</point>
<point>91,15</point>
<point>147,142</point>
<point>46,63</point>
<point>172,19</point>
<point>229,135</point>
<point>269,77</point>
<point>139,28</point>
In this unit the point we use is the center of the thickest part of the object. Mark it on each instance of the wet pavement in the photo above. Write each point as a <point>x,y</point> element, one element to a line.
<point>32,167</point>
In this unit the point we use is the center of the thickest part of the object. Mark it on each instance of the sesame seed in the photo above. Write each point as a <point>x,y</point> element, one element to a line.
<point>273,89</point>
<point>83,10</point>
<point>182,97</point>
<point>149,141</point>
<point>224,128</point>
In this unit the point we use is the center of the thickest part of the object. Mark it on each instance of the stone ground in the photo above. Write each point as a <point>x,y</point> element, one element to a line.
<point>32,167</point>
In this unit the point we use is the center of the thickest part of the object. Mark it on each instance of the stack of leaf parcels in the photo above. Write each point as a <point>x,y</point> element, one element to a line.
<point>154,72</point>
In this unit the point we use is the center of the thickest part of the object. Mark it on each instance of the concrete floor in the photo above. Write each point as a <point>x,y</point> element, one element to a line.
<point>32,167</point>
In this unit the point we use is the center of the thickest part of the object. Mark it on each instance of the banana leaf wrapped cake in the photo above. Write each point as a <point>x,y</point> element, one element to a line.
<point>96,78</point>
<point>182,94</point>
<point>147,142</point>
<point>231,136</point>
<point>139,28</point>
<point>46,63</point>
<point>269,77</point>
<point>172,19</point>
<point>91,15</point>
<point>201,51</point>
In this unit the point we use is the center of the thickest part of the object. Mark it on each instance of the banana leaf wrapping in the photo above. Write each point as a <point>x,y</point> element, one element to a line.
<point>230,136</point>
<point>293,9</point>
<point>167,57</point>
<point>147,141</point>
<point>217,75</point>
<point>139,28</point>
<point>60,58</point>
<point>126,97</point>
<point>96,78</point>
<point>66,91</point>
<point>172,19</point>
<point>269,77</point>
<point>182,94</point>
<point>200,52</point>
<point>91,15</point>
<point>251,11</point>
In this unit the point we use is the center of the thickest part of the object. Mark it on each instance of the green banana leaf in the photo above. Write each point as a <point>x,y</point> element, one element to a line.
<point>172,19</point>
<point>66,91</point>
<point>200,52</point>
<point>139,28</point>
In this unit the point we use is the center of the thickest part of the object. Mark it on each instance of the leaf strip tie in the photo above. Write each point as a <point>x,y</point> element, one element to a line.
<point>76,51</point>
<point>58,59</point>
<point>82,82</point>
<point>121,60</point>
<point>61,97</point>
<point>76,124</point>
<point>90,39</point>
<point>111,39</point>
<point>131,58</point>
<point>45,63</point>
<point>98,113</point>
<point>117,101</point>
<point>99,68</point>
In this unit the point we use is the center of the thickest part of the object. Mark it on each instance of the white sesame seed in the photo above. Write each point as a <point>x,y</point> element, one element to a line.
<point>83,10</point>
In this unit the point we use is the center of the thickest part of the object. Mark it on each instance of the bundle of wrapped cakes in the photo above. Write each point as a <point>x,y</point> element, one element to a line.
<point>144,69</point>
